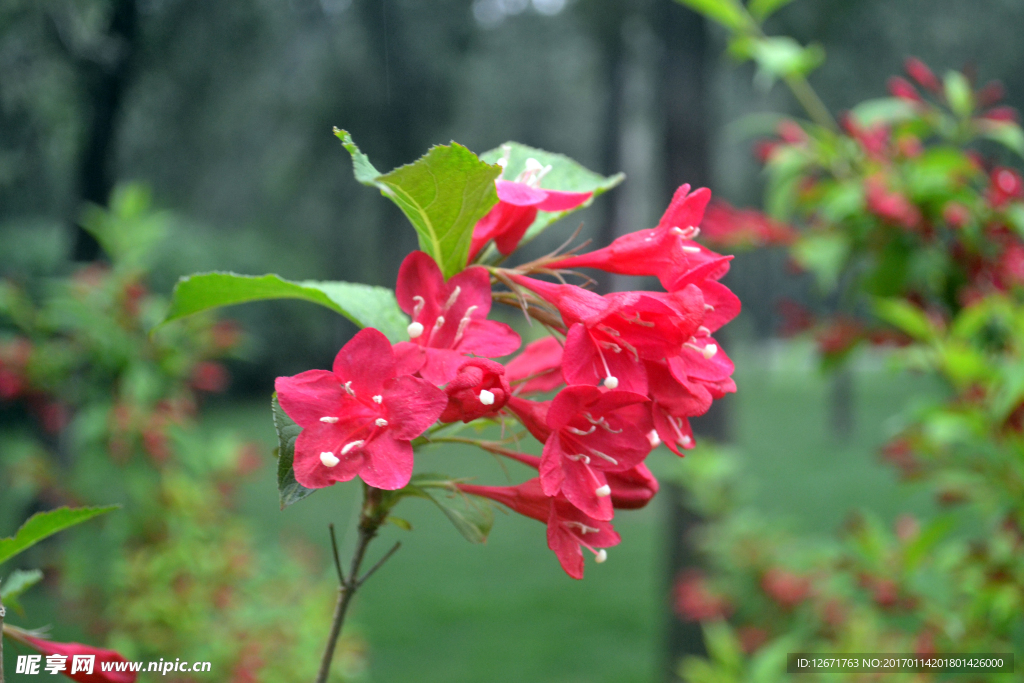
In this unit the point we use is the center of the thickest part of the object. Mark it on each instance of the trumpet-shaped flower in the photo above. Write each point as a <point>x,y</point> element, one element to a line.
<point>667,251</point>
<point>479,389</point>
<point>517,207</point>
<point>82,663</point>
<point>449,319</point>
<point>590,436</point>
<point>569,529</point>
<point>610,336</point>
<point>359,417</point>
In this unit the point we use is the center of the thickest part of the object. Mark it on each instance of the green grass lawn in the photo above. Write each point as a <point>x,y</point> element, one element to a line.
<point>444,610</point>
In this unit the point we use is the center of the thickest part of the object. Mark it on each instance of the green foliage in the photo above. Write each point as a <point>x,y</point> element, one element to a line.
<point>443,194</point>
<point>365,305</point>
<point>728,13</point>
<point>17,583</point>
<point>45,524</point>
<point>566,175</point>
<point>471,516</point>
<point>289,490</point>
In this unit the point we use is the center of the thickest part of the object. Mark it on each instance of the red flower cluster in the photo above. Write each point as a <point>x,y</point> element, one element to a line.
<point>637,366</point>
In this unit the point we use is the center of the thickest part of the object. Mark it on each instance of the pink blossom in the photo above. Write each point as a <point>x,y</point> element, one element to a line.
<point>609,336</point>
<point>449,319</point>
<point>537,368</point>
<point>359,418</point>
<point>479,389</point>
<point>569,529</point>
<point>517,207</point>
<point>589,437</point>
<point>667,251</point>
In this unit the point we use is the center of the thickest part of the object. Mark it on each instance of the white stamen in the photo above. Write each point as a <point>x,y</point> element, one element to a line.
<point>653,438</point>
<point>349,446</point>
<point>533,165</point>
<point>604,491</point>
<point>378,399</point>
<point>689,232</point>
<point>685,440</point>
<point>503,162</point>
<point>380,422</point>
<point>691,250</point>
<point>704,332</point>
<point>611,382</point>
<point>415,330</point>
<point>418,308</point>
<point>329,459</point>
<point>486,397</point>
<point>579,456</point>
<point>600,556</point>
<point>709,351</point>
<point>329,420</point>
<point>583,528</point>
<point>348,388</point>
<point>708,307</point>
<point>609,458</point>
<point>580,432</point>
<point>453,298</point>
<point>439,323</point>
<point>463,323</point>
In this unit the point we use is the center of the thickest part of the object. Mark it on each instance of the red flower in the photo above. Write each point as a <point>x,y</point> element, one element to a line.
<point>631,490</point>
<point>786,588</point>
<point>695,601</point>
<point>449,319</point>
<point>517,207</point>
<point>890,206</point>
<point>1006,185</point>
<point>479,389</point>
<point>359,418</point>
<point>609,335</point>
<point>569,529</point>
<point>537,368</point>
<point>86,661</point>
<point>667,251</point>
<point>209,376</point>
<point>590,436</point>
<point>902,88</point>
<point>920,72</point>
<point>729,227</point>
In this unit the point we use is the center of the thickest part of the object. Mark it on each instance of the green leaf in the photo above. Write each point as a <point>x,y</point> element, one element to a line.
<point>365,305</point>
<point>762,9</point>
<point>566,175</point>
<point>958,93</point>
<point>728,13</point>
<point>443,194</point>
<point>723,646</point>
<point>44,524</point>
<point>399,522</point>
<point>824,254</point>
<point>129,230</point>
<point>781,56</point>
<point>471,515</point>
<point>904,316</point>
<point>1006,133</point>
<point>289,490</point>
<point>886,110</point>
<point>16,584</point>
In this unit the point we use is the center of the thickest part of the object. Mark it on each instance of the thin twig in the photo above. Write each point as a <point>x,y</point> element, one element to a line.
<point>337,560</point>
<point>380,563</point>
<point>3,613</point>
<point>369,521</point>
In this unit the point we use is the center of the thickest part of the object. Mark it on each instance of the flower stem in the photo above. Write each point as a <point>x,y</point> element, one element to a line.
<point>3,613</point>
<point>370,520</point>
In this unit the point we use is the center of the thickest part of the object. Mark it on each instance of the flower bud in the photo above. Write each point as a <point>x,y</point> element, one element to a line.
<point>479,389</point>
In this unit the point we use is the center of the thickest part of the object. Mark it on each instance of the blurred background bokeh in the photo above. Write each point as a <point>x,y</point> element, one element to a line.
<point>222,113</point>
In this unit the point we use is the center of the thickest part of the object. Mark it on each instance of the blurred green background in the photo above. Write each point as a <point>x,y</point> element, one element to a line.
<point>225,110</point>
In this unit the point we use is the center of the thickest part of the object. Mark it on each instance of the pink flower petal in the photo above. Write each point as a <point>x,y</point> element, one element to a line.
<point>389,462</point>
<point>309,395</point>
<point>367,361</point>
<point>412,405</point>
